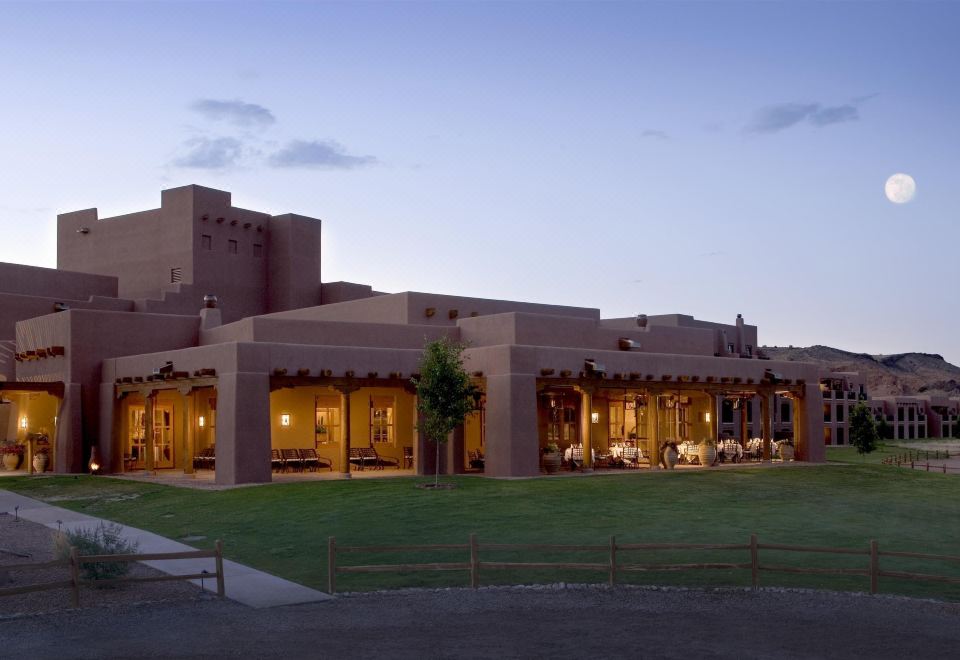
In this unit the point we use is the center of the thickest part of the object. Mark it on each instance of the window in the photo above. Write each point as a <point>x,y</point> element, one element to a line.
<point>785,412</point>
<point>840,413</point>
<point>730,348</point>
<point>257,250</point>
<point>232,246</point>
<point>176,275</point>
<point>726,412</point>
<point>616,419</point>
<point>749,407</point>
<point>840,436</point>
<point>910,414</point>
<point>900,413</point>
<point>381,419</point>
<point>327,419</point>
<point>826,412</point>
<point>206,242</point>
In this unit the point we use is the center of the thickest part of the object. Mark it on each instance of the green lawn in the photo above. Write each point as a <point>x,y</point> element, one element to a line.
<point>283,528</point>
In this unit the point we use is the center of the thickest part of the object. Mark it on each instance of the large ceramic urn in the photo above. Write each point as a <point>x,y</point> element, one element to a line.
<point>551,462</point>
<point>707,453</point>
<point>670,457</point>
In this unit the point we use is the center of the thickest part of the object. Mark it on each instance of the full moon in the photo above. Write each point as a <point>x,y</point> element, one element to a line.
<point>900,188</point>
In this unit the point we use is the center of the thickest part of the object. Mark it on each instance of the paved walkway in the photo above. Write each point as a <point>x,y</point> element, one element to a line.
<point>243,584</point>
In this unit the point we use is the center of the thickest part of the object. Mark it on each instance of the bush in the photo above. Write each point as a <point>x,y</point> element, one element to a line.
<point>105,539</point>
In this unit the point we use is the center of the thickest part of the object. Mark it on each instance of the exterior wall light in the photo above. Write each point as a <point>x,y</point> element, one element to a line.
<point>202,421</point>
<point>595,417</point>
<point>285,420</point>
<point>23,423</point>
<point>706,417</point>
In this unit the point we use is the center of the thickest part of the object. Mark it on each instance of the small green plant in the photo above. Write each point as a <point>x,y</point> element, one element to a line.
<point>105,539</point>
<point>551,448</point>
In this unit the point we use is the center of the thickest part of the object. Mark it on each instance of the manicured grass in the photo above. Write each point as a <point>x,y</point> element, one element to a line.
<point>283,528</point>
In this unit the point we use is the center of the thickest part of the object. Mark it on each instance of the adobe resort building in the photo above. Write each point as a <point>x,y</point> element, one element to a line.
<point>200,335</point>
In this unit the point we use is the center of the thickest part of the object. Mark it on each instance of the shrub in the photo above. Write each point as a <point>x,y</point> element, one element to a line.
<point>105,539</point>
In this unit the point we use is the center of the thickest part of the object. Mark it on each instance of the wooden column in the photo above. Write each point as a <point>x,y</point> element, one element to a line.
<point>744,434</point>
<point>715,416</point>
<point>653,403</point>
<point>586,414</point>
<point>345,392</point>
<point>765,402</point>
<point>186,429</point>
<point>148,423</point>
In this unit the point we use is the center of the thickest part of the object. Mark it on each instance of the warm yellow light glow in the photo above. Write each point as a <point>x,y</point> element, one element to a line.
<point>23,423</point>
<point>285,419</point>
<point>202,422</point>
<point>706,417</point>
<point>595,417</point>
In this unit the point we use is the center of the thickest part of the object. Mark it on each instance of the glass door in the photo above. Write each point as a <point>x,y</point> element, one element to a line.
<point>163,449</point>
<point>137,438</point>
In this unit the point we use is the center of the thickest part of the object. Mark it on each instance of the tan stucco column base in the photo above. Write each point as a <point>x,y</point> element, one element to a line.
<point>243,428</point>
<point>512,447</point>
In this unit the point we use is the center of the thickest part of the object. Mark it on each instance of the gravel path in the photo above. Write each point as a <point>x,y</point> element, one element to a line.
<point>574,622</point>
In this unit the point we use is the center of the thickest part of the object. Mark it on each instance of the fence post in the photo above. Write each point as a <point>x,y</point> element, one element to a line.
<point>874,567</point>
<point>331,565</point>
<point>75,575</point>
<point>754,562</point>
<point>221,587</point>
<point>474,562</point>
<point>613,560</point>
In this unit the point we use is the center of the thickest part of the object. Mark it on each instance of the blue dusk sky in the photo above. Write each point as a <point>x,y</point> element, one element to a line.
<point>702,158</point>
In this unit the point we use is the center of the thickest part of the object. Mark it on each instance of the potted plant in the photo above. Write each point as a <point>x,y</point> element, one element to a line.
<point>785,449</point>
<point>12,454</point>
<point>707,451</point>
<point>41,458</point>
<point>551,458</point>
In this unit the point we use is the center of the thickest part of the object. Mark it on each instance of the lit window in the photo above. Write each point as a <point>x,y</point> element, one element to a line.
<point>327,419</point>
<point>381,419</point>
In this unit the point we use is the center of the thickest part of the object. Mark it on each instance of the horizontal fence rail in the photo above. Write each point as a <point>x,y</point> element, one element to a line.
<point>614,564</point>
<point>76,560</point>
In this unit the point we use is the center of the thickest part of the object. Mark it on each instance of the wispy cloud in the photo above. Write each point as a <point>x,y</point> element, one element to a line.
<point>320,154</point>
<point>239,113</point>
<point>655,134</point>
<point>210,153</point>
<point>775,118</point>
<point>717,253</point>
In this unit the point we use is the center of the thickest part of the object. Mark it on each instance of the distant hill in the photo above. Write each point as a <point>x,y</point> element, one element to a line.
<point>903,373</point>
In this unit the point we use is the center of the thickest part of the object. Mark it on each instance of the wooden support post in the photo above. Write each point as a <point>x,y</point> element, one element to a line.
<point>221,587</point>
<point>874,567</point>
<point>613,561</point>
<point>765,410</point>
<point>754,562</point>
<point>148,428</point>
<point>331,565</point>
<point>75,575</point>
<point>474,562</point>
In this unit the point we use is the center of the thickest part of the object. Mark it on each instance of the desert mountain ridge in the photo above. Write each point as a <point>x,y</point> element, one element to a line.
<point>887,375</point>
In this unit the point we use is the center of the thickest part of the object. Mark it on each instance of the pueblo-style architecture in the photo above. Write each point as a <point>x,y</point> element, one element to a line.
<point>199,335</point>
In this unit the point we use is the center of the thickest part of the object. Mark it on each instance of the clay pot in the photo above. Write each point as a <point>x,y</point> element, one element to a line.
<point>551,462</point>
<point>11,461</point>
<point>670,457</point>
<point>707,453</point>
<point>786,451</point>
<point>40,462</point>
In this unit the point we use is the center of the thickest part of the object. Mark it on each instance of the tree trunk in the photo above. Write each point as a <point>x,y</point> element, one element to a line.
<point>436,468</point>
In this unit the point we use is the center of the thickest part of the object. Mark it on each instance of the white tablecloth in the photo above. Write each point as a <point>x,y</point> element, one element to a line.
<point>568,452</point>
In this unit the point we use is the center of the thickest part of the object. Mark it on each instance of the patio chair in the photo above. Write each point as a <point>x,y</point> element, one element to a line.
<point>312,459</point>
<point>291,459</point>
<point>576,458</point>
<point>356,458</point>
<point>630,457</point>
<point>408,457</point>
<point>382,461</point>
<point>276,460</point>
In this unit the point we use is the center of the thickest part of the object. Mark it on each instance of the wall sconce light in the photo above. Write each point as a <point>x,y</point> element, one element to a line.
<point>595,417</point>
<point>23,423</point>
<point>285,420</point>
<point>201,421</point>
<point>94,464</point>
<point>706,417</point>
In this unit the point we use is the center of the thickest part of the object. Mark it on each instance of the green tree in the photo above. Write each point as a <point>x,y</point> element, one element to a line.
<point>444,391</point>
<point>884,430</point>
<point>863,429</point>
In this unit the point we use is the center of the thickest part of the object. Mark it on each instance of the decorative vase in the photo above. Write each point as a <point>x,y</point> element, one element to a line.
<point>40,462</point>
<point>706,453</point>
<point>551,462</point>
<point>10,461</point>
<point>670,457</point>
<point>786,451</point>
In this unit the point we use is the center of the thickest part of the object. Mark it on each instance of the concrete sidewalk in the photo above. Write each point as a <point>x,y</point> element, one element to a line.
<point>243,584</point>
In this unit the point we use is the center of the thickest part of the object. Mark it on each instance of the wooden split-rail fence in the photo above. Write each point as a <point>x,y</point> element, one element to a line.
<point>614,562</point>
<point>75,560</point>
<point>913,459</point>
